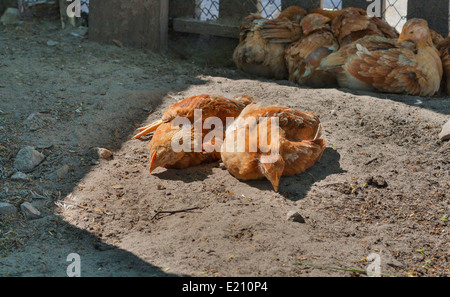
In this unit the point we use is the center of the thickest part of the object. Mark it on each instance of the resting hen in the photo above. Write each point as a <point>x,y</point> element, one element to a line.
<point>263,42</point>
<point>352,24</point>
<point>378,64</point>
<point>200,149</point>
<point>253,150</point>
<point>304,56</point>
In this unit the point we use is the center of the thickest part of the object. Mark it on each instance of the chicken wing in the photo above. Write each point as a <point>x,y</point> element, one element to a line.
<point>263,42</point>
<point>304,56</point>
<point>352,24</point>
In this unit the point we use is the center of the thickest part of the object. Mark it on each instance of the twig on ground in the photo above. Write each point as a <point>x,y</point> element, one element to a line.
<point>371,161</point>
<point>172,211</point>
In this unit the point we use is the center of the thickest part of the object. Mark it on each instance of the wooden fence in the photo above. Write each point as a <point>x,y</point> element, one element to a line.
<point>184,13</point>
<point>145,23</point>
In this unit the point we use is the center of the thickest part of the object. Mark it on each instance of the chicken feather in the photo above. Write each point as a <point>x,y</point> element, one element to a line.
<point>262,42</point>
<point>352,24</point>
<point>161,149</point>
<point>300,143</point>
<point>386,65</point>
<point>304,56</point>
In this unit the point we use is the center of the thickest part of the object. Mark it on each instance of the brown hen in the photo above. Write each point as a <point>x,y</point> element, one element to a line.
<point>263,42</point>
<point>304,56</point>
<point>352,24</point>
<point>199,147</point>
<point>376,63</point>
<point>252,150</point>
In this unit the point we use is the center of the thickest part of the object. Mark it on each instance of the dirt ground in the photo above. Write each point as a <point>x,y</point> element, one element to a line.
<point>382,185</point>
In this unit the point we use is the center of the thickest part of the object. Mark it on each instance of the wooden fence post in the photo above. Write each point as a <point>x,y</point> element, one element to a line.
<point>436,12</point>
<point>306,4</point>
<point>236,10</point>
<point>135,23</point>
<point>182,8</point>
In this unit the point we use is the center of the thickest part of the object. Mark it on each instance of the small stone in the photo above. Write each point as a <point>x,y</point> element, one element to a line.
<point>333,112</point>
<point>20,176</point>
<point>52,43</point>
<point>377,181</point>
<point>27,159</point>
<point>160,187</point>
<point>7,209</point>
<point>37,120</point>
<point>294,216</point>
<point>445,133</point>
<point>80,32</point>
<point>95,162</point>
<point>104,153</point>
<point>63,171</point>
<point>39,202</point>
<point>29,211</point>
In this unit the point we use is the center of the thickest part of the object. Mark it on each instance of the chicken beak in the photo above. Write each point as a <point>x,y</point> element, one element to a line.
<point>152,162</point>
<point>403,36</point>
<point>275,182</point>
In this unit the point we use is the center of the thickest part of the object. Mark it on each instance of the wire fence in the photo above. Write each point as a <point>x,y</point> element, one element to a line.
<point>395,11</point>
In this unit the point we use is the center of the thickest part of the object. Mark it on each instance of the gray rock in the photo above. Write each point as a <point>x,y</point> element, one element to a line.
<point>63,171</point>
<point>7,209</point>
<point>445,133</point>
<point>27,159</point>
<point>52,43</point>
<point>20,176</point>
<point>37,120</point>
<point>39,202</point>
<point>104,153</point>
<point>294,216</point>
<point>29,211</point>
<point>10,17</point>
<point>34,121</point>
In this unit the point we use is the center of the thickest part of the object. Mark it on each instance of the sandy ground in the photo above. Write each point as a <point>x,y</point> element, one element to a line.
<point>381,187</point>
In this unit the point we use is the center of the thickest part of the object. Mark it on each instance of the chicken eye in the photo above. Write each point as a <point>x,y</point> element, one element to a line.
<point>411,32</point>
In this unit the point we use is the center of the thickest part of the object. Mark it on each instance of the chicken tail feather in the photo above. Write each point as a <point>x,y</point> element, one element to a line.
<point>148,129</point>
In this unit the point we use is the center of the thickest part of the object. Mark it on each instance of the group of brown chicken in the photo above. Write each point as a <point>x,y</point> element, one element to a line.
<point>298,143</point>
<point>346,48</point>
<point>324,48</point>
